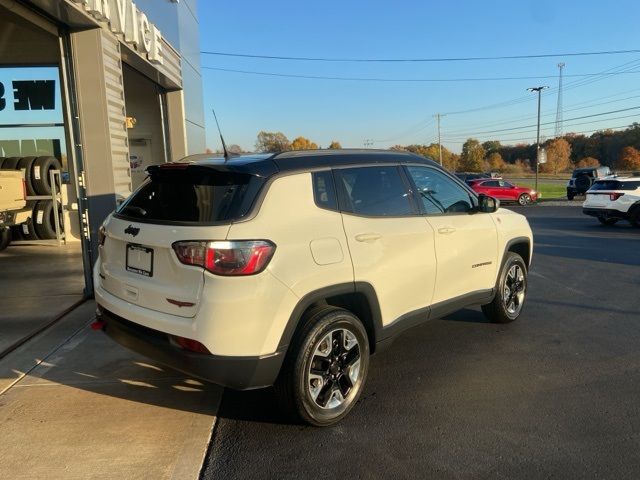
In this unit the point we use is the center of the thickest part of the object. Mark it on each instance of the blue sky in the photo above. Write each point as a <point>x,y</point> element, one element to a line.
<point>399,112</point>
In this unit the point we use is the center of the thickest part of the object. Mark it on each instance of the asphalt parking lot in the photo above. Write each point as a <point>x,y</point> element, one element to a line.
<point>554,395</point>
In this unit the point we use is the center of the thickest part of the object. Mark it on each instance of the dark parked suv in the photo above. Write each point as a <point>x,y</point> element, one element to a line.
<point>582,179</point>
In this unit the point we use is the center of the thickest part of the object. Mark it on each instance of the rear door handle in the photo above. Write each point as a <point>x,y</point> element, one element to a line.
<point>368,237</point>
<point>446,230</point>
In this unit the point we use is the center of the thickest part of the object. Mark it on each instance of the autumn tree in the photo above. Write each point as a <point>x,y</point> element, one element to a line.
<point>302,143</point>
<point>472,157</point>
<point>234,148</point>
<point>491,146</point>
<point>272,142</point>
<point>335,145</point>
<point>629,159</point>
<point>558,156</point>
<point>587,162</point>
<point>495,162</point>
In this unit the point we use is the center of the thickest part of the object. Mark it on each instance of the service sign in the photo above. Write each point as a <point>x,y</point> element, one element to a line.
<point>133,25</point>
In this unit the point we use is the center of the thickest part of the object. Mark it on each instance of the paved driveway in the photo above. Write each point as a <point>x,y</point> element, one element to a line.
<point>554,395</point>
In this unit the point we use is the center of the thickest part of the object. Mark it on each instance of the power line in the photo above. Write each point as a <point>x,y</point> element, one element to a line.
<point>529,138</point>
<point>445,59</point>
<point>510,120</point>
<point>527,98</point>
<point>410,131</point>
<point>550,123</point>
<point>551,127</point>
<point>417,80</point>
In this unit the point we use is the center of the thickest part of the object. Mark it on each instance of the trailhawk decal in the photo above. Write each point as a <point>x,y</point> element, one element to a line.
<point>483,264</point>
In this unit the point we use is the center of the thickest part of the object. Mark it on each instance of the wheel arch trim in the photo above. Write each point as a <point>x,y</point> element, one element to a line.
<point>373,325</point>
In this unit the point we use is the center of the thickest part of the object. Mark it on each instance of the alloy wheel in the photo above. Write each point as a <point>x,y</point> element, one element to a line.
<point>514,290</point>
<point>524,199</point>
<point>335,368</point>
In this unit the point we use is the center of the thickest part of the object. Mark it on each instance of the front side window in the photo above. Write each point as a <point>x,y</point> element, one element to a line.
<point>505,184</point>
<point>439,194</point>
<point>373,191</point>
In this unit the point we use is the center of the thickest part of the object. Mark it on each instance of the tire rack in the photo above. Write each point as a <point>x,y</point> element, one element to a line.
<point>56,198</point>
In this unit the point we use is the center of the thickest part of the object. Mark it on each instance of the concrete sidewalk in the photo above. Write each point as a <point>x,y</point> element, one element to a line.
<point>73,404</point>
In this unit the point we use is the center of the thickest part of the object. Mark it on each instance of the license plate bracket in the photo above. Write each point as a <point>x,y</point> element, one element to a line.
<point>139,259</point>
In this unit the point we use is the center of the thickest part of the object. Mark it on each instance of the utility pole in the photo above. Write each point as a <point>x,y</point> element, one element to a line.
<point>539,91</point>
<point>438,116</point>
<point>558,132</point>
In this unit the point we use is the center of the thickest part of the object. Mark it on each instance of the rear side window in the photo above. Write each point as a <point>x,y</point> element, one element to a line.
<point>491,183</point>
<point>324,191</point>
<point>373,191</point>
<point>195,195</point>
<point>616,185</point>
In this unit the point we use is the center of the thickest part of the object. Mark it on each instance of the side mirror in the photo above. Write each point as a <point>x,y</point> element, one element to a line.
<point>487,204</point>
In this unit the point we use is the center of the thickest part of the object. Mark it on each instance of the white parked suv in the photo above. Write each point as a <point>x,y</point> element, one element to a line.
<point>613,199</point>
<point>290,269</point>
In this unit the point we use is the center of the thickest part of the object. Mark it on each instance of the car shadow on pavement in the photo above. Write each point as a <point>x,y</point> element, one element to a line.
<point>90,366</point>
<point>467,315</point>
<point>254,406</point>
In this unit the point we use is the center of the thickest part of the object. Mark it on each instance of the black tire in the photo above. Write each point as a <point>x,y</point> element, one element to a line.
<point>498,310</point>
<point>524,199</point>
<point>10,163</point>
<point>28,229</point>
<point>583,182</point>
<point>44,219</point>
<point>16,233</point>
<point>570,195</point>
<point>26,164</point>
<point>5,237</point>
<point>607,221</point>
<point>2,159</point>
<point>40,177</point>
<point>296,381</point>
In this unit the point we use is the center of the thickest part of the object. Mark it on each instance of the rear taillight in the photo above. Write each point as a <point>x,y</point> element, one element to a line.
<point>244,257</point>
<point>614,196</point>
<point>102,235</point>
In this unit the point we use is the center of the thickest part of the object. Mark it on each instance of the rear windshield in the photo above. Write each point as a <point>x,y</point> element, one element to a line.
<point>194,195</point>
<point>615,185</point>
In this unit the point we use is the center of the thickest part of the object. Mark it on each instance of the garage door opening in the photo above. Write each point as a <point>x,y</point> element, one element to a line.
<point>41,265</point>
<point>144,102</point>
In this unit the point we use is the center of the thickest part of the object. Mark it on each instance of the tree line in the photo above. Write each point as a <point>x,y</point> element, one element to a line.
<point>619,150</point>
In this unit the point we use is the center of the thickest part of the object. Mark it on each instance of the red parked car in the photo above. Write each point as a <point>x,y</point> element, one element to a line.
<point>504,191</point>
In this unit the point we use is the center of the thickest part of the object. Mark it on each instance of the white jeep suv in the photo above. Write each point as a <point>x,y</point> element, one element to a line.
<point>613,199</point>
<point>290,269</point>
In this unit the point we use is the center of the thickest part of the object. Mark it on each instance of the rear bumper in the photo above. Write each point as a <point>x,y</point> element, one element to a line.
<point>604,213</point>
<point>240,373</point>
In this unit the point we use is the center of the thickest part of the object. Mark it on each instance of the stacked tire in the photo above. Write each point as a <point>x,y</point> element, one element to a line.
<point>41,224</point>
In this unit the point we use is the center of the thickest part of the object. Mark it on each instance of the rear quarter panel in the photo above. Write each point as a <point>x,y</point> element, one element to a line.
<point>311,246</point>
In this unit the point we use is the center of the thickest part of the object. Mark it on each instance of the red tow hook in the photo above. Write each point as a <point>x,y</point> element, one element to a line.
<point>98,325</point>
